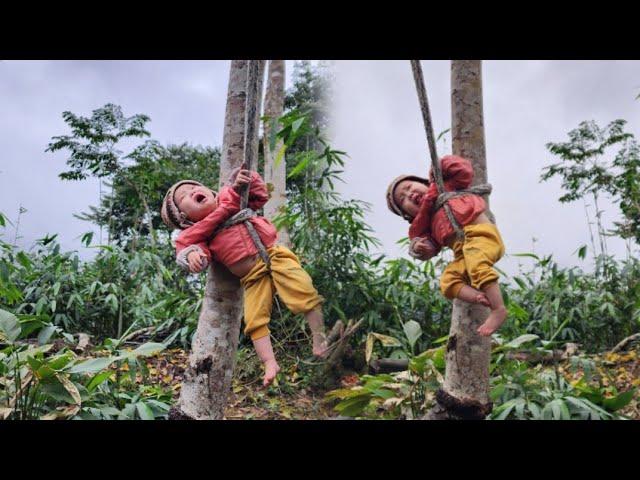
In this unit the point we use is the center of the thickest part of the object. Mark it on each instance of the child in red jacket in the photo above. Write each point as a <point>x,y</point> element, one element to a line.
<point>200,212</point>
<point>470,276</point>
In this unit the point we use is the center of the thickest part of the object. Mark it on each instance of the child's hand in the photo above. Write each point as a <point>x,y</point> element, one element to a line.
<point>241,178</point>
<point>423,248</point>
<point>197,261</point>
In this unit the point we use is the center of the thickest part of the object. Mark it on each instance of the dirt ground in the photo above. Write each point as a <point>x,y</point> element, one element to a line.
<point>290,400</point>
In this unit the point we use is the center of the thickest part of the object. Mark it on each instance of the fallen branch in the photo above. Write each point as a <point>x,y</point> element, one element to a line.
<point>623,344</point>
<point>137,333</point>
<point>337,348</point>
<point>388,365</point>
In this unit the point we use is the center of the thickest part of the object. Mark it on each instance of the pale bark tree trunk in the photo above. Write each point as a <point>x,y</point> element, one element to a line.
<point>465,393</point>
<point>207,379</point>
<point>275,175</point>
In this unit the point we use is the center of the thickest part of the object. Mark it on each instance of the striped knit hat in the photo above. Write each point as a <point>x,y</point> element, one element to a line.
<point>170,213</point>
<point>391,202</point>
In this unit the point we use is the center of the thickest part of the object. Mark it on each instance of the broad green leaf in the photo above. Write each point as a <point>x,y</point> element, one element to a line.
<point>144,411</point>
<point>413,331</point>
<point>24,260</point>
<point>302,164</point>
<point>297,124</point>
<point>98,379</point>
<point>9,327</point>
<point>516,342</point>
<point>619,401</point>
<point>368,350</point>
<point>352,407</point>
<point>441,340</point>
<point>45,334</point>
<point>60,361</point>
<point>69,387</point>
<point>110,411</point>
<point>535,410</point>
<point>144,350</point>
<point>343,393</point>
<point>386,340</point>
<point>92,366</point>
<point>497,392</point>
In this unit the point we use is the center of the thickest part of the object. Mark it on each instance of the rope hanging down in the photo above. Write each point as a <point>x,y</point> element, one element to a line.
<point>443,196</point>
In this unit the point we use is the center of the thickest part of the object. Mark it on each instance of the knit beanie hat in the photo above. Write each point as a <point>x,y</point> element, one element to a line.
<point>170,213</point>
<point>391,202</point>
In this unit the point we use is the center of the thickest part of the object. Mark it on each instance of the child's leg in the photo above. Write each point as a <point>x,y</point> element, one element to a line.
<point>498,311</point>
<point>265,353</point>
<point>258,301</point>
<point>482,248</point>
<point>454,282</point>
<point>316,324</point>
<point>295,288</point>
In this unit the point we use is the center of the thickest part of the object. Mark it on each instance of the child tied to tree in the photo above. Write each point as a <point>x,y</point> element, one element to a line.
<point>470,276</point>
<point>199,212</point>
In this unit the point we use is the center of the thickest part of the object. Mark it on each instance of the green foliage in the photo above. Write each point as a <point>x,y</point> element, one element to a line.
<point>405,395</point>
<point>524,393</point>
<point>133,283</point>
<point>587,170</point>
<point>131,210</point>
<point>116,291</point>
<point>569,305</point>
<point>38,382</point>
<point>92,144</point>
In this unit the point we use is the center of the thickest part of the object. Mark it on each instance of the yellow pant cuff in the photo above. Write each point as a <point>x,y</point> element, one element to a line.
<point>452,291</point>
<point>259,332</point>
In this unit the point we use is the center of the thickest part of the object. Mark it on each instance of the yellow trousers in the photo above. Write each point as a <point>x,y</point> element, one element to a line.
<point>473,260</point>
<point>288,278</point>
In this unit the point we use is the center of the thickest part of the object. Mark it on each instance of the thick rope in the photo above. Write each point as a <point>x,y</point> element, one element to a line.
<point>443,196</point>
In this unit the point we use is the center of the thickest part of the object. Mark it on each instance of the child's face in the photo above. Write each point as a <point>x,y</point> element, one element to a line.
<point>408,195</point>
<point>195,202</point>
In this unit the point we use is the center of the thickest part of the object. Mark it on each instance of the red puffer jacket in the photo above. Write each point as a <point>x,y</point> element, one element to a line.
<point>457,174</point>
<point>234,243</point>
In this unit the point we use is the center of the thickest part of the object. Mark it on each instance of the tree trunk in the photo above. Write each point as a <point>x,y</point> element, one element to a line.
<point>275,175</point>
<point>465,393</point>
<point>207,379</point>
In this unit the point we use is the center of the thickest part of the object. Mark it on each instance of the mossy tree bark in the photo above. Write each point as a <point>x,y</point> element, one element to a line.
<point>465,392</point>
<point>207,379</point>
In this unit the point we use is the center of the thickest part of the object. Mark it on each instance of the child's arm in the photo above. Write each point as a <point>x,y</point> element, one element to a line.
<point>423,248</point>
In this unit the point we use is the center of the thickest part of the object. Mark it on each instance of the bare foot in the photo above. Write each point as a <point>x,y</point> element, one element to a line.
<point>320,345</point>
<point>271,369</point>
<point>493,322</point>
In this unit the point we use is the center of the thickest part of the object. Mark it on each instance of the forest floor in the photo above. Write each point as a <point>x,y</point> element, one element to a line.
<point>292,398</point>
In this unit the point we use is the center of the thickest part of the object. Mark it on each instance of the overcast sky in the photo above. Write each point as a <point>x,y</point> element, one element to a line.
<point>375,119</point>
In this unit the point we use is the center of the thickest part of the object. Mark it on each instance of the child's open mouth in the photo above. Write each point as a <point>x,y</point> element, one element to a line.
<point>200,197</point>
